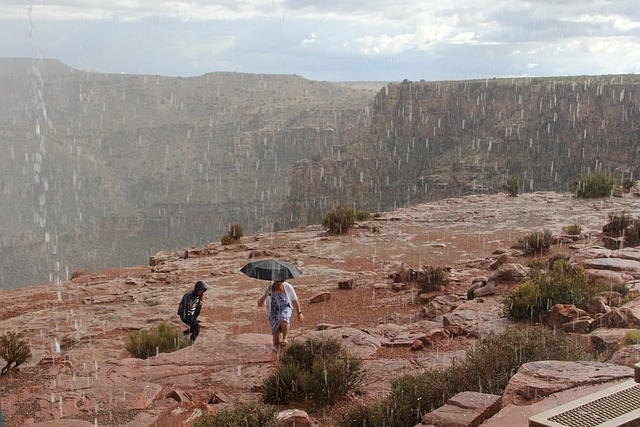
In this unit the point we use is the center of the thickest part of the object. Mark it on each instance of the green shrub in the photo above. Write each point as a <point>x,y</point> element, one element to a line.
<point>243,415</point>
<point>334,377</point>
<point>317,369</point>
<point>431,277</point>
<point>617,223</point>
<point>592,186</point>
<point>631,338</point>
<point>563,284</point>
<point>287,383</point>
<point>536,243</point>
<point>512,187</point>
<point>362,215</point>
<point>499,356</point>
<point>305,353</point>
<point>414,395</point>
<point>572,230</point>
<point>165,339</point>
<point>339,220</point>
<point>627,184</point>
<point>487,368</point>
<point>376,413</point>
<point>236,231</point>
<point>14,350</point>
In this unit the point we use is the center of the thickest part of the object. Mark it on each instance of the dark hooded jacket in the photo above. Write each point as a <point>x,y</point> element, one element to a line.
<point>191,300</point>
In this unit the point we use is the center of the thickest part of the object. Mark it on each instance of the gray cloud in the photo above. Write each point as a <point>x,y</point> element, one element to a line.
<point>330,40</point>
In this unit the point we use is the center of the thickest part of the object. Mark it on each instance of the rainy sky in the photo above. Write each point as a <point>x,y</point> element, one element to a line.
<point>330,40</point>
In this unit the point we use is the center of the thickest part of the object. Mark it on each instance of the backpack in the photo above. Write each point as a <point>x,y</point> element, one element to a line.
<point>184,305</point>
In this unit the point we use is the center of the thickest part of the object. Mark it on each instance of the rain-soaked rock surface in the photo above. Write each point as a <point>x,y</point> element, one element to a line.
<point>81,373</point>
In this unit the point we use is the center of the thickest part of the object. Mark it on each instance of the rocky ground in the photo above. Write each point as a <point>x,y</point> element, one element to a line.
<point>82,375</point>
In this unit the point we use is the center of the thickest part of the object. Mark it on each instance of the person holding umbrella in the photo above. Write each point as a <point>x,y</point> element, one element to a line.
<point>281,302</point>
<point>280,297</point>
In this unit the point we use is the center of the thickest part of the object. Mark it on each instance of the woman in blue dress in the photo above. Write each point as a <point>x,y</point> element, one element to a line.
<point>281,302</point>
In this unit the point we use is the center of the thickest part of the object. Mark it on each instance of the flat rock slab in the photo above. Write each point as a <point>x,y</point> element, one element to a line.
<point>536,380</point>
<point>616,264</point>
<point>466,409</point>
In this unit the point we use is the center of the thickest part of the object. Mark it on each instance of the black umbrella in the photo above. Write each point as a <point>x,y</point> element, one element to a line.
<point>271,269</point>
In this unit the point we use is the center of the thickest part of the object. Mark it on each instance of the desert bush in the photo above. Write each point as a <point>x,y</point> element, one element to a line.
<point>632,234</point>
<point>339,220</point>
<point>622,224</point>
<point>362,215</point>
<point>242,415</point>
<point>376,413</point>
<point>431,277</point>
<point>616,223</point>
<point>286,384</point>
<point>318,369</point>
<point>165,339</point>
<point>562,284</point>
<point>572,230</point>
<point>536,243</point>
<point>499,356</point>
<point>226,240</point>
<point>631,338</point>
<point>512,187</point>
<point>236,232</point>
<point>592,186</point>
<point>14,349</point>
<point>487,368</point>
<point>305,353</point>
<point>332,378</point>
<point>79,273</point>
<point>627,185</point>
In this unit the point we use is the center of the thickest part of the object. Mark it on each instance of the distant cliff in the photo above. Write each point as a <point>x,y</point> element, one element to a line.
<point>103,170</point>
<point>430,140</point>
<point>99,171</point>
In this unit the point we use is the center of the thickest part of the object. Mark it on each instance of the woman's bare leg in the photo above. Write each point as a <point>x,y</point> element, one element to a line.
<point>284,326</point>
<point>277,338</point>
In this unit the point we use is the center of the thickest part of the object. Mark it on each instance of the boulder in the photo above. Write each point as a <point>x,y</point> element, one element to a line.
<point>598,305</point>
<point>632,311</point>
<point>466,409</point>
<point>581,325</point>
<point>629,266</point>
<point>535,380</point>
<point>509,273</point>
<point>563,313</point>
<point>178,395</point>
<point>321,297</point>
<point>471,315</point>
<point>417,345</point>
<point>481,289</point>
<point>294,418</point>
<point>628,253</point>
<point>614,318</point>
<point>587,253</point>
<point>436,335</point>
<point>403,274</point>
<point>440,305</point>
<point>607,277</point>
<point>606,341</point>
<point>345,284</point>
<point>627,355</point>
<point>502,259</point>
